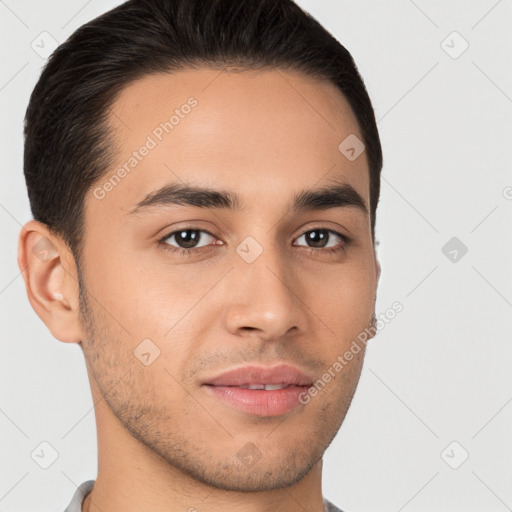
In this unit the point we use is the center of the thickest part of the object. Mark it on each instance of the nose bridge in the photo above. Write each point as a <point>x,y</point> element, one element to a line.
<point>265,297</point>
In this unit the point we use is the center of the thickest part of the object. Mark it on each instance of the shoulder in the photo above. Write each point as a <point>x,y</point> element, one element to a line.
<point>330,507</point>
<point>81,492</point>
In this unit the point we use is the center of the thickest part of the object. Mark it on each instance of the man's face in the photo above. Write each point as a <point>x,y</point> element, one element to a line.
<point>271,284</point>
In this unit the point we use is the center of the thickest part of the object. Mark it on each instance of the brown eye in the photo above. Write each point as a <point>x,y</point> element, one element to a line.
<point>324,239</point>
<point>187,238</point>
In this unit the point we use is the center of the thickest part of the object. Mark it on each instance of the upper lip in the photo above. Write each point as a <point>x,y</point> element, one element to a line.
<point>246,375</point>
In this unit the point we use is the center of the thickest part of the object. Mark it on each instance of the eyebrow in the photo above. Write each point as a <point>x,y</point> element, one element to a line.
<point>327,197</point>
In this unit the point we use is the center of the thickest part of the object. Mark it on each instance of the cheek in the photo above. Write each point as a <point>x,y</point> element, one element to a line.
<point>129,284</point>
<point>169,306</point>
<point>345,301</point>
<point>349,289</point>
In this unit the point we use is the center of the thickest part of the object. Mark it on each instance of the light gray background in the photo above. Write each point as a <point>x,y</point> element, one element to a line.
<point>438,373</point>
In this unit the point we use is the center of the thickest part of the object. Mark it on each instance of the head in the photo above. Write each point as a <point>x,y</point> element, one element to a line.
<point>204,182</point>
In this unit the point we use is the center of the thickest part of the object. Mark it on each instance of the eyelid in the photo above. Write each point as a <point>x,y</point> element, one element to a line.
<point>187,228</point>
<point>344,237</point>
<point>324,227</point>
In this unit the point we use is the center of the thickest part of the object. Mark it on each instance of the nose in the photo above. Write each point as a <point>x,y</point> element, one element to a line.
<point>265,297</point>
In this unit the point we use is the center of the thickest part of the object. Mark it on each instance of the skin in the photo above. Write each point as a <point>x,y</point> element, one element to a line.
<point>163,443</point>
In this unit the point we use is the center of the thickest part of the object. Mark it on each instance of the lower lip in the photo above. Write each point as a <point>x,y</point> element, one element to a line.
<point>258,401</point>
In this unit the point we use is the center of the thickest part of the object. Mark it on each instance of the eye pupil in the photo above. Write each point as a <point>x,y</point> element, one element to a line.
<point>187,242</point>
<point>318,236</point>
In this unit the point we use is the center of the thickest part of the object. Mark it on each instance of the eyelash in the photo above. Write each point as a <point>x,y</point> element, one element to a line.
<point>189,252</point>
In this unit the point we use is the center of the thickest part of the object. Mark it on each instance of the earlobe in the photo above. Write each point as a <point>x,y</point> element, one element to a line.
<point>49,272</point>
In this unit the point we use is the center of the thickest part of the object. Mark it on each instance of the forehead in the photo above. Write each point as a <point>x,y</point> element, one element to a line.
<point>260,133</point>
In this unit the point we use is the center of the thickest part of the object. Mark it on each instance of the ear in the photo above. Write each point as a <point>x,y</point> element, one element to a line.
<point>377,274</point>
<point>378,269</point>
<point>51,280</point>
<point>376,244</point>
